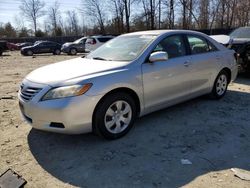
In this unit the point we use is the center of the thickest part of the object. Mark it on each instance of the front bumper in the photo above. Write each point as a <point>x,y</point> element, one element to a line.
<point>74,113</point>
<point>65,49</point>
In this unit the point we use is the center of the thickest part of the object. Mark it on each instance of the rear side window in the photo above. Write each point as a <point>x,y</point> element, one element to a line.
<point>90,41</point>
<point>198,45</point>
<point>104,39</point>
<point>82,41</point>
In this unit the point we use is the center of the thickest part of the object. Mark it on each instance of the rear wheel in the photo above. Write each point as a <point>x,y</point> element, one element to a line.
<point>57,52</point>
<point>115,115</point>
<point>73,51</point>
<point>220,85</point>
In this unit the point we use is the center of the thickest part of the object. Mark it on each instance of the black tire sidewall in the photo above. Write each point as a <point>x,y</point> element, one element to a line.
<point>57,50</point>
<point>29,51</point>
<point>99,125</point>
<point>73,53</point>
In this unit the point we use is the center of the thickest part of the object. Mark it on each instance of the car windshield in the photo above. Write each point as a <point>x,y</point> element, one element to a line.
<point>243,32</point>
<point>123,48</point>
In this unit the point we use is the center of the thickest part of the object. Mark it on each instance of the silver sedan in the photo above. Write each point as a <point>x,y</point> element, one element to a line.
<point>128,77</point>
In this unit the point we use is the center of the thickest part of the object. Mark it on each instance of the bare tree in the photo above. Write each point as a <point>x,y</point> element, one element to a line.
<point>32,10</point>
<point>169,6</point>
<point>95,9</point>
<point>159,18</point>
<point>73,23</point>
<point>54,16</point>
<point>119,14</point>
<point>127,7</point>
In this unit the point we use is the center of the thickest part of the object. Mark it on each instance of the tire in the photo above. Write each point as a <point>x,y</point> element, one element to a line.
<point>114,116</point>
<point>57,52</point>
<point>1,52</point>
<point>220,85</point>
<point>29,53</point>
<point>73,51</point>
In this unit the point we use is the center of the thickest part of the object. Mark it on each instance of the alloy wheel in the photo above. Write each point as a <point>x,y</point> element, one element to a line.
<point>118,117</point>
<point>221,84</point>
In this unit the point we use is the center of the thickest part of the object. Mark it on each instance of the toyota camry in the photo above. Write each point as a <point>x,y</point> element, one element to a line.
<point>127,77</point>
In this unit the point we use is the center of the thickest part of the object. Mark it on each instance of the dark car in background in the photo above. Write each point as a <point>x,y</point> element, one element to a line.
<point>72,48</point>
<point>239,41</point>
<point>12,46</point>
<point>3,47</point>
<point>42,47</point>
<point>24,44</point>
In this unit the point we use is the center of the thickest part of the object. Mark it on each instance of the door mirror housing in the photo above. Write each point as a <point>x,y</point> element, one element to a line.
<point>158,56</point>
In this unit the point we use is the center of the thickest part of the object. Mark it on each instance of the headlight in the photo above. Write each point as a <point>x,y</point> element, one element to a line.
<point>66,91</point>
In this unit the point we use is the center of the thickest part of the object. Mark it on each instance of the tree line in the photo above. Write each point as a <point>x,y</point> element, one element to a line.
<point>122,16</point>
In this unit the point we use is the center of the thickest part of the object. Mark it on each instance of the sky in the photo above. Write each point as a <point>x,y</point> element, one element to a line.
<point>10,12</point>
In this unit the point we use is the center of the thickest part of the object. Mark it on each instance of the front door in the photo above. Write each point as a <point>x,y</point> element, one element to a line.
<point>167,82</point>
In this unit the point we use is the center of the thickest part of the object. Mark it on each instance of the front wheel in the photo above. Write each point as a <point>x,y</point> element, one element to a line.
<point>220,85</point>
<point>29,53</point>
<point>115,115</point>
<point>73,51</point>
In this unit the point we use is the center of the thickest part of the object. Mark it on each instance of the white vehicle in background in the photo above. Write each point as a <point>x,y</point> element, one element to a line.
<point>94,42</point>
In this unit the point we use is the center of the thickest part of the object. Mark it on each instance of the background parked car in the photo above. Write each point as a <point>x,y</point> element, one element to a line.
<point>94,42</point>
<point>42,47</point>
<point>12,46</point>
<point>24,44</point>
<point>3,47</point>
<point>238,40</point>
<point>72,48</point>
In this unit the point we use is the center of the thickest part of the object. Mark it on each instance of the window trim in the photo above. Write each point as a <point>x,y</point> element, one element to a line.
<point>203,39</point>
<point>182,36</point>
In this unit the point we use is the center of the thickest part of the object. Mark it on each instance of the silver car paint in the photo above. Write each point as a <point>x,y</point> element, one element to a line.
<point>157,85</point>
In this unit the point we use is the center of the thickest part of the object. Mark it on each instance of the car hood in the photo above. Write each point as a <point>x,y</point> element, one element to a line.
<point>27,47</point>
<point>68,44</point>
<point>71,69</point>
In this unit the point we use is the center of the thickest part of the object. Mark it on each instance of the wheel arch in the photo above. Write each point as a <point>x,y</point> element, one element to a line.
<point>126,90</point>
<point>228,71</point>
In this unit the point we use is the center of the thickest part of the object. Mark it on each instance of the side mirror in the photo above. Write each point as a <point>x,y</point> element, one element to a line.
<point>158,56</point>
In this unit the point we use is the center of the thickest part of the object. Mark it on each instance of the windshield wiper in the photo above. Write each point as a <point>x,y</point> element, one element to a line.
<point>99,58</point>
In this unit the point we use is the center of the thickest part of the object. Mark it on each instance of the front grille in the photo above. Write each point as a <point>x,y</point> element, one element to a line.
<point>27,92</point>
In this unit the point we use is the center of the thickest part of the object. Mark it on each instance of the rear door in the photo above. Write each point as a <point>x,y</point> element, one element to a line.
<point>167,81</point>
<point>204,63</point>
<point>43,47</point>
<point>90,44</point>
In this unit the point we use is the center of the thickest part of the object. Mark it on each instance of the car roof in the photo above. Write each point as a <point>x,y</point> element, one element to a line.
<point>163,32</point>
<point>104,36</point>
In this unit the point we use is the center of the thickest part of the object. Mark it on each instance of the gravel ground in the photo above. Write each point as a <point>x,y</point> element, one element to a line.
<point>213,135</point>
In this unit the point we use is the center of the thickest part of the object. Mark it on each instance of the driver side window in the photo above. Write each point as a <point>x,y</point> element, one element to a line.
<point>173,45</point>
